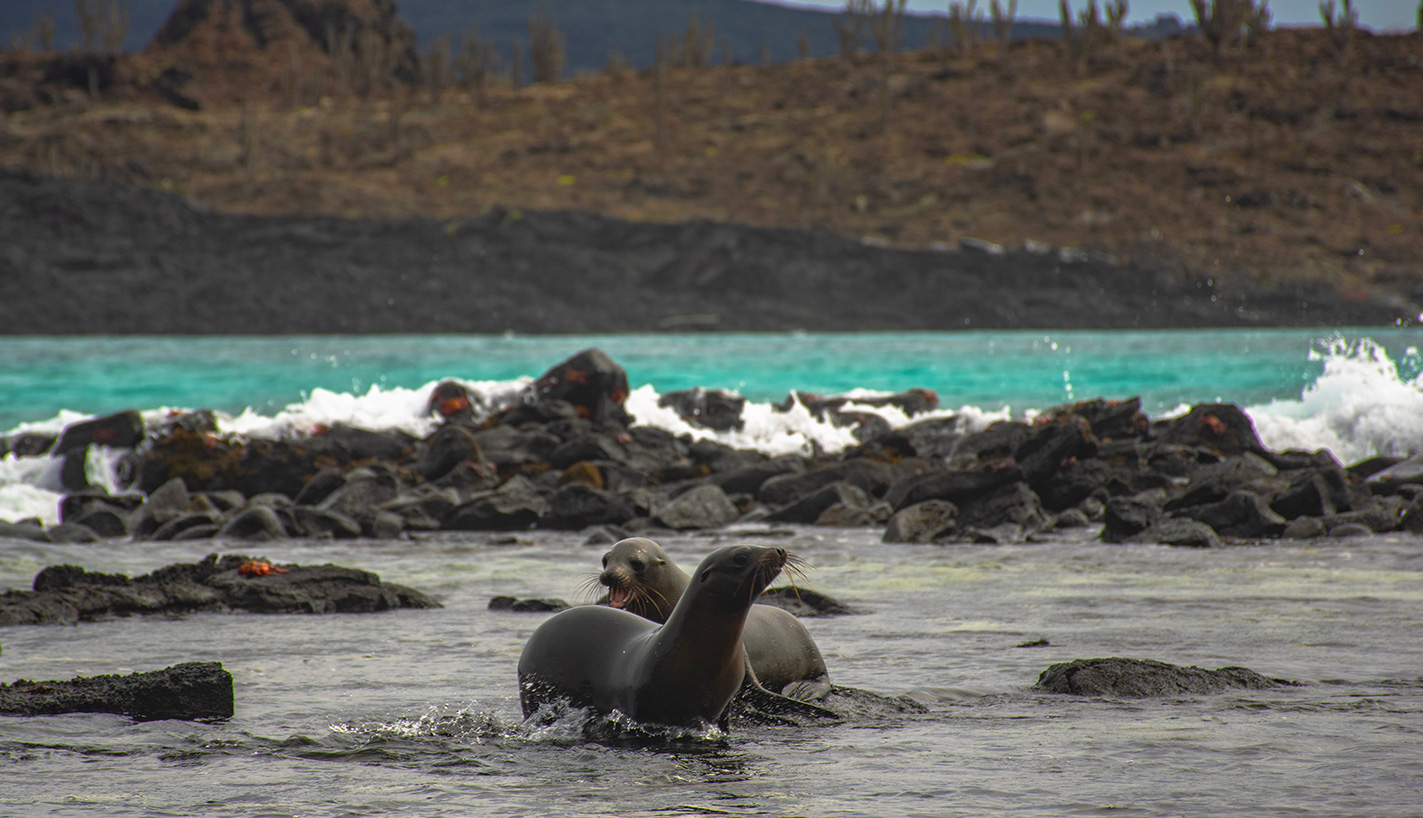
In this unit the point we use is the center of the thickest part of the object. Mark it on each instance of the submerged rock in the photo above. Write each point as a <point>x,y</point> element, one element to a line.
<point>1141,678</point>
<point>192,690</point>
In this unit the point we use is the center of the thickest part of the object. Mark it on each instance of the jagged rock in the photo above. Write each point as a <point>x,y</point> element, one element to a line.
<point>509,603</point>
<point>1015,504</point>
<point>807,510</point>
<point>708,408</point>
<point>996,442</point>
<point>1141,678</point>
<point>804,603</point>
<point>320,486</point>
<point>591,382</point>
<point>23,531</point>
<point>1044,451</point>
<point>1404,472</point>
<point>365,489</point>
<point>951,485</point>
<point>705,506</point>
<point>1350,530</point>
<point>1125,517</point>
<point>1242,514</point>
<point>871,475</point>
<point>70,534</point>
<point>922,522</point>
<point>1073,518</point>
<point>121,430</point>
<point>1077,481</point>
<point>27,444</point>
<point>1383,515</point>
<point>1316,492</point>
<point>750,479</point>
<point>1212,483</point>
<point>450,445</point>
<point>192,690</point>
<point>75,505</point>
<point>1412,519</point>
<point>516,504</point>
<point>173,528</point>
<point>167,502</point>
<point>854,513</point>
<point>105,522</point>
<point>1176,531</point>
<point>936,437</point>
<point>254,523</point>
<point>576,506</point>
<point>1223,427</point>
<point>1109,419</point>
<point>1304,528</point>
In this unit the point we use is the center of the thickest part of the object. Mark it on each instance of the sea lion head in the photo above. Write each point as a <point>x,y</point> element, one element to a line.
<point>738,573</point>
<point>641,578</point>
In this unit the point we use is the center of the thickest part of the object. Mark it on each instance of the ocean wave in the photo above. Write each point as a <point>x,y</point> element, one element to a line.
<point>1362,404</point>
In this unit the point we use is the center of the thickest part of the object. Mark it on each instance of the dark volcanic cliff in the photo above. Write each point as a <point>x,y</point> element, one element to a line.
<point>99,258</point>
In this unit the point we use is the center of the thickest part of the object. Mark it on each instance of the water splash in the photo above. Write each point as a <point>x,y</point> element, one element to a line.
<point>1362,404</point>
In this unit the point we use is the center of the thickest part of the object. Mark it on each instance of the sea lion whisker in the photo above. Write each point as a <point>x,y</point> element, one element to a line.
<point>588,587</point>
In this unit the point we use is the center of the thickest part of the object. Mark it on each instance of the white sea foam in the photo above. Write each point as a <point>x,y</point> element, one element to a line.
<point>29,487</point>
<point>776,433</point>
<point>1358,407</point>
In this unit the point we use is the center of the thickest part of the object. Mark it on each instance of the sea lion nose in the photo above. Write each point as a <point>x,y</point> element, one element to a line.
<point>781,552</point>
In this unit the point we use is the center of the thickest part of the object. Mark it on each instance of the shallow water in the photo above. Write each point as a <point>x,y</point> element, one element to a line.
<point>416,712</point>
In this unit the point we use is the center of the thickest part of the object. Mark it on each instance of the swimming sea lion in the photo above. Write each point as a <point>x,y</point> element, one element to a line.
<point>641,578</point>
<point>682,673</point>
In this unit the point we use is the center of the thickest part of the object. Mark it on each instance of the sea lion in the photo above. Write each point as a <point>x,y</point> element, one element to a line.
<point>681,673</point>
<point>641,578</point>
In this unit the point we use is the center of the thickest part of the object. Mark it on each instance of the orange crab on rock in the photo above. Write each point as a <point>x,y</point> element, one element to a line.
<point>260,568</point>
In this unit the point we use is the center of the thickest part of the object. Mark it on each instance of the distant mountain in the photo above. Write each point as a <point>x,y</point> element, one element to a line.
<point>593,29</point>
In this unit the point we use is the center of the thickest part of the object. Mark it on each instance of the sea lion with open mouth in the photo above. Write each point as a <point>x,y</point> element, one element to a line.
<point>682,673</point>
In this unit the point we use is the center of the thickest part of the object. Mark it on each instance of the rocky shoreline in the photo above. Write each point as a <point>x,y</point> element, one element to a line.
<point>563,456</point>
<point>91,257</point>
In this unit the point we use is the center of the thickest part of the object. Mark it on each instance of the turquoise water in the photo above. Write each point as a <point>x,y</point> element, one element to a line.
<point>39,376</point>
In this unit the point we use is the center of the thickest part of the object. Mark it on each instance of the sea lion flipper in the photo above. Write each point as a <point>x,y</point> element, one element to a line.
<point>760,699</point>
<point>806,690</point>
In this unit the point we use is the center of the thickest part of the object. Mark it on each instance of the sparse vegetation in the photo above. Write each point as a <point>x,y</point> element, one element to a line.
<point>1003,20</point>
<point>887,25</point>
<point>476,61</point>
<point>849,28</point>
<point>436,68</point>
<point>1341,25</point>
<point>964,25</point>
<point>545,47</point>
<point>102,24</point>
<point>1228,23</point>
<point>695,50</point>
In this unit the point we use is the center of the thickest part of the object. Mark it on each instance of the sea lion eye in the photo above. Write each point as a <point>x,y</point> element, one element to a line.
<point>637,565</point>
<point>605,560</point>
<point>741,559</point>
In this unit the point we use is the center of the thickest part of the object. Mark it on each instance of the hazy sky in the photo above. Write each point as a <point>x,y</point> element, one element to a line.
<point>1376,14</point>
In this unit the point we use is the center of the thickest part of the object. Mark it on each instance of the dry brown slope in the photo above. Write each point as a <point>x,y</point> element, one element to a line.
<point>1283,161</point>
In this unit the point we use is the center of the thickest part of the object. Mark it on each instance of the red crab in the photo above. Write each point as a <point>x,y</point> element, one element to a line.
<point>260,568</point>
